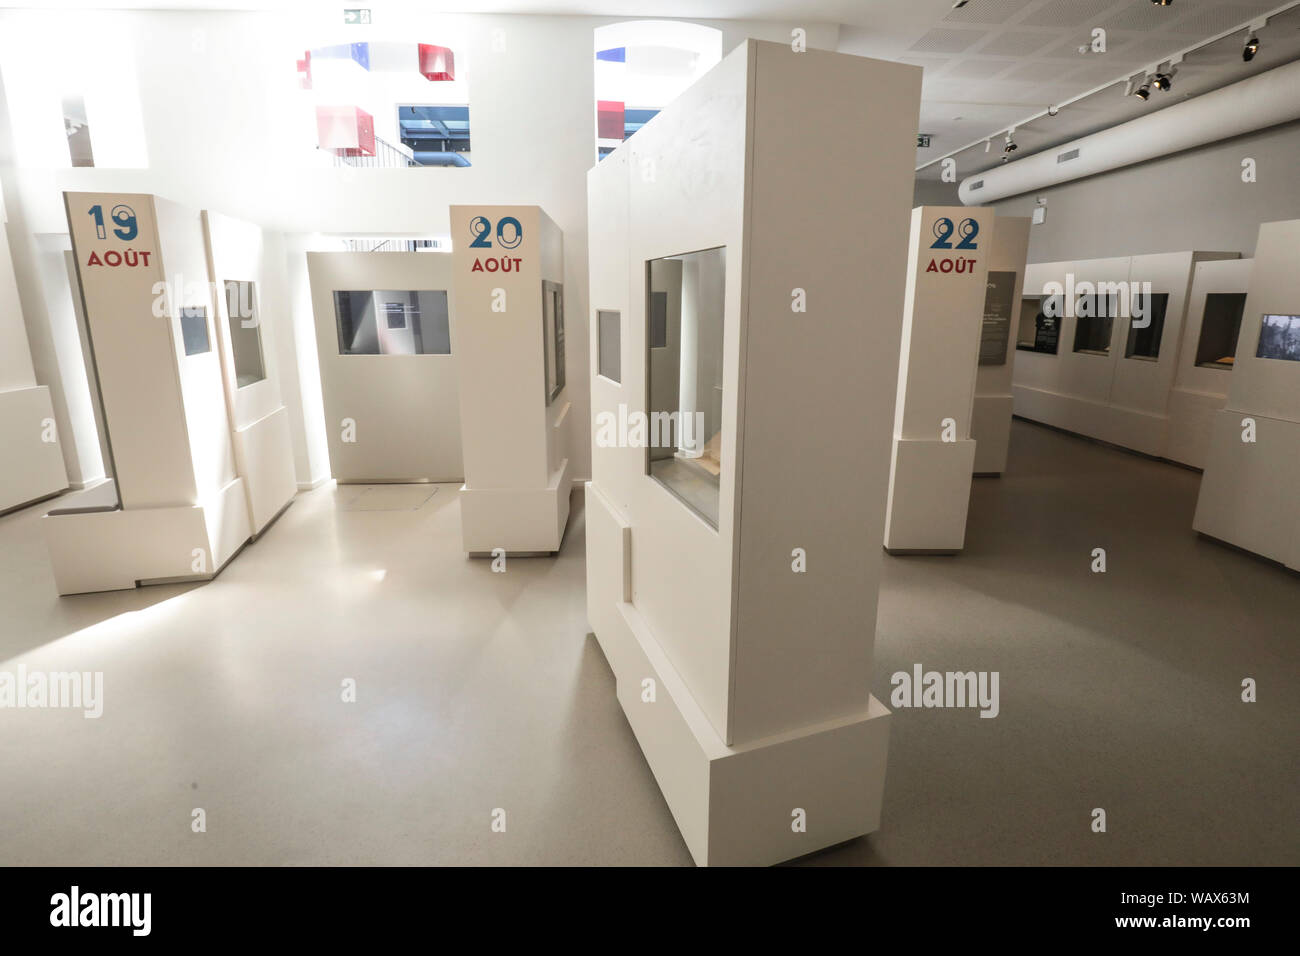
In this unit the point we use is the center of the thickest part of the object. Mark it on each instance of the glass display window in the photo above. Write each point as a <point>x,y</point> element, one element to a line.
<point>685,304</point>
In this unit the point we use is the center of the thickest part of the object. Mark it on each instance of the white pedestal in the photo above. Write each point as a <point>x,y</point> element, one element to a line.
<point>509,331</point>
<point>929,486</point>
<point>745,676</point>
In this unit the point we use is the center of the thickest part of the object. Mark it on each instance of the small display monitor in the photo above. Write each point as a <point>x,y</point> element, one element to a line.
<point>1279,338</point>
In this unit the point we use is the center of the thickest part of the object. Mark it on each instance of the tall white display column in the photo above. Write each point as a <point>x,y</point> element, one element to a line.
<point>33,465</point>
<point>180,510</point>
<point>732,553</point>
<point>1250,493</point>
<point>263,446</point>
<point>508,327</point>
<point>934,454</point>
<point>990,425</point>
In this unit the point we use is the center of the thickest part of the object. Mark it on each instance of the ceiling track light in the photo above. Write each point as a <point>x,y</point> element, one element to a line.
<point>1251,48</point>
<point>1163,3</point>
<point>1010,146</point>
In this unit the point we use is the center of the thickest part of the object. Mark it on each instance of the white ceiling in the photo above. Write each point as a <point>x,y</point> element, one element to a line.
<point>988,66</point>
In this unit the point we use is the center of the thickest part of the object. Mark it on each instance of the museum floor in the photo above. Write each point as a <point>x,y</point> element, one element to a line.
<point>478,690</point>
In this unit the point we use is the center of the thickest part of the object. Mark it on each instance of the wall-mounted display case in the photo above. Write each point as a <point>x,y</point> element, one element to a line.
<point>1126,351</point>
<point>1220,327</point>
<point>1094,319</point>
<point>756,713</point>
<point>1147,325</point>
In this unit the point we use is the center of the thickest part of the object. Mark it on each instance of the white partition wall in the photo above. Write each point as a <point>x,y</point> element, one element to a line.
<point>933,453</point>
<point>1215,309</point>
<point>1250,493</point>
<point>33,465</point>
<point>732,580</point>
<point>1111,375</point>
<point>263,447</point>
<point>181,511</point>
<point>387,365</point>
<point>514,412</point>
<point>990,425</point>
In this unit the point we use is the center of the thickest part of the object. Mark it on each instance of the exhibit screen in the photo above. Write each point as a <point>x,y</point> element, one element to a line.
<point>245,332</point>
<point>1279,338</point>
<point>685,299</point>
<point>392,322</point>
<point>1220,326</point>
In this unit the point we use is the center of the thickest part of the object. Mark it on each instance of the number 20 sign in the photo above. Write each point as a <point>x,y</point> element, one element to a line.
<point>509,233</point>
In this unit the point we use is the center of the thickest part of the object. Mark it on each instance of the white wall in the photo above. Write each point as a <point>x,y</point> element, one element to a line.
<point>226,128</point>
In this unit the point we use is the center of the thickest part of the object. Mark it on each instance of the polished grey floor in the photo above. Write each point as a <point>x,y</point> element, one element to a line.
<point>479,691</point>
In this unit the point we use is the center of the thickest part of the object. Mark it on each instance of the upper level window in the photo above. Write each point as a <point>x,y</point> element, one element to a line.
<point>641,67</point>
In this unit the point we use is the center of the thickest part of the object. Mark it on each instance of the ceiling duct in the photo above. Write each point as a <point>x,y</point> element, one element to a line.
<point>1252,104</point>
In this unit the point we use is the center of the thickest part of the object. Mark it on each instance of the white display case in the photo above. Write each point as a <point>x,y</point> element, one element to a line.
<point>1249,490</point>
<point>1215,308</point>
<point>508,322</point>
<point>392,403</point>
<point>1114,369</point>
<point>742,646</point>
<point>934,454</point>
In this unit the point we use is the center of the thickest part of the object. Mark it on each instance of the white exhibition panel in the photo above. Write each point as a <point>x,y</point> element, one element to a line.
<point>33,461</point>
<point>1109,396</point>
<point>990,425</point>
<point>181,511</point>
<point>930,473</point>
<point>403,410</point>
<point>1200,392</point>
<point>513,432</point>
<point>263,447</point>
<point>1249,490</point>
<point>762,674</point>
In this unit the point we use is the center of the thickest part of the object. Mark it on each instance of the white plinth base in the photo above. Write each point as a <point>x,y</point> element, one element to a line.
<point>990,429</point>
<point>734,805</point>
<point>1132,428</point>
<point>33,468</point>
<point>112,550</point>
<point>264,450</point>
<point>519,520</point>
<point>1248,492</point>
<point>929,495</point>
<point>1191,423</point>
